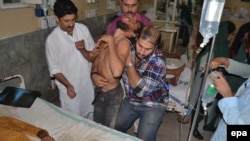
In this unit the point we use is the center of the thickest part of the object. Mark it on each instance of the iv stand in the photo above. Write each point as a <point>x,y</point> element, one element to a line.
<point>209,57</point>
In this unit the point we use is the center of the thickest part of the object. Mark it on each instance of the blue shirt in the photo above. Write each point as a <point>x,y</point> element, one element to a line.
<point>150,90</point>
<point>235,110</point>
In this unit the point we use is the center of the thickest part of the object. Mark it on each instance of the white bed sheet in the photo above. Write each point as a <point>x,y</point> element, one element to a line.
<point>179,95</point>
<point>62,125</point>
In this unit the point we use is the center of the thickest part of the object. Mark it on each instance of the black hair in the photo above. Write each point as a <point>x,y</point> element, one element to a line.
<point>152,35</point>
<point>123,26</point>
<point>231,27</point>
<point>64,7</point>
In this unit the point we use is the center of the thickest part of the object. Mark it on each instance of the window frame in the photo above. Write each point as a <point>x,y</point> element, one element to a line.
<point>22,3</point>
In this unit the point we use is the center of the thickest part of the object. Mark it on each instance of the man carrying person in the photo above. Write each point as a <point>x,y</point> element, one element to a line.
<point>108,61</point>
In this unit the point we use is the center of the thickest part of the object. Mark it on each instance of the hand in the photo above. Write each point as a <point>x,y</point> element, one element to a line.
<point>203,68</point>
<point>71,91</point>
<point>47,138</point>
<point>99,81</point>
<point>80,44</point>
<point>222,85</point>
<point>216,62</point>
<point>95,52</point>
<point>105,41</point>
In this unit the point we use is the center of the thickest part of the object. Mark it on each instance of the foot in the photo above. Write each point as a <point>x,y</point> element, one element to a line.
<point>198,135</point>
<point>208,128</point>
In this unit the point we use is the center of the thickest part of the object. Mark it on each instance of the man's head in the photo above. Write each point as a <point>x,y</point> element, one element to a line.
<point>128,29</point>
<point>66,14</point>
<point>129,25</point>
<point>130,7</point>
<point>149,39</point>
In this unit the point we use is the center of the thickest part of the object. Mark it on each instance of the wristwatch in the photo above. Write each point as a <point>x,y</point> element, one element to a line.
<point>130,64</point>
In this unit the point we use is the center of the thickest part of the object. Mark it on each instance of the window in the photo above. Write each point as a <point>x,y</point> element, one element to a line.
<point>5,4</point>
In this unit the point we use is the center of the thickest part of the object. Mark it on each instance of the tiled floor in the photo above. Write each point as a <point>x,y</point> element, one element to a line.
<point>172,130</point>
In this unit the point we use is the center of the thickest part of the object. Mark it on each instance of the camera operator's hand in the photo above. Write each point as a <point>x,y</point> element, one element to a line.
<point>221,85</point>
<point>216,62</point>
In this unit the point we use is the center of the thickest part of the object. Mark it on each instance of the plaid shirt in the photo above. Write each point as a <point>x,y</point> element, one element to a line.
<point>150,90</point>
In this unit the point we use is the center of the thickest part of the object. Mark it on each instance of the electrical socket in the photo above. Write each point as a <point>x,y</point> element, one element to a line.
<point>44,24</point>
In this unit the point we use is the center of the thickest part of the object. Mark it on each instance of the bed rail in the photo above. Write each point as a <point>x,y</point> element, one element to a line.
<point>22,83</point>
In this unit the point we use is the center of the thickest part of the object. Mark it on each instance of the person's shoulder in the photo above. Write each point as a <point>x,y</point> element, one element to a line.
<point>81,25</point>
<point>143,16</point>
<point>158,55</point>
<point>114,20</point>
<point>54,33</point>
<point>145,20</point>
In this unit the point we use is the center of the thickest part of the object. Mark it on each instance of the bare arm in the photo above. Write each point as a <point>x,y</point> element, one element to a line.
<point>89,55</point>
<point>133,76</point>
<point>118,56</point>
<point>219,61</point>
<point>70,88</point>
<point>44,135</point>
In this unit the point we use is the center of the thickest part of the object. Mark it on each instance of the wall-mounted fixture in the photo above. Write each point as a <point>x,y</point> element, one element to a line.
<point>6,4</point>
<point>91,13</point>
<point>91,1</point>
<point>110,4</point>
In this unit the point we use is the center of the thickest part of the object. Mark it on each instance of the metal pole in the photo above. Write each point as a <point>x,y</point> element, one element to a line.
<point>197,109</point>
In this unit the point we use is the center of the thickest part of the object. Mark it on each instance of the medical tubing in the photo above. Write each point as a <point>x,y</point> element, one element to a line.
<point>209,57</point>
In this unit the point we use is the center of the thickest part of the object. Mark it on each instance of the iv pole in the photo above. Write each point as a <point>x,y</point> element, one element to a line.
<point>209,57</point>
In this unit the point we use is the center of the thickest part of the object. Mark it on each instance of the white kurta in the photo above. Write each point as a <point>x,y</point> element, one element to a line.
<point>63,57</point>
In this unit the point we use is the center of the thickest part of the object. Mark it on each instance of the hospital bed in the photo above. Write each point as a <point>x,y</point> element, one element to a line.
<point>62,125</point>
<point>179,93</point>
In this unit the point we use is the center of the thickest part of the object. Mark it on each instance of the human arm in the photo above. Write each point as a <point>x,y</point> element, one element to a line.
<point>54,55</point>
<point>148,78</point>
<point>70,88</point>
<point>17,125</point>
<point>84,42</point>
<point>232,66</point>
<point>236,109</point>
<point>232,111</point>
<point>216,62</point>
<point>221,85</point>
<point>80,45</point>
<point>89,55</point>
<point>44,135</point>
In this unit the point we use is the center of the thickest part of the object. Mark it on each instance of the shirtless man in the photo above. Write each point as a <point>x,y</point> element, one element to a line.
<point>108,60</point>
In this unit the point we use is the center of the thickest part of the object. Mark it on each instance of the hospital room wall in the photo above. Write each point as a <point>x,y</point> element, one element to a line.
<point>22,48</point>
<point>22,43</point>
<point>25,55</point>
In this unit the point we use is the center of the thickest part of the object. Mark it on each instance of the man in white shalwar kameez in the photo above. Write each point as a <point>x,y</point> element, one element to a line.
<point>67,64</point>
